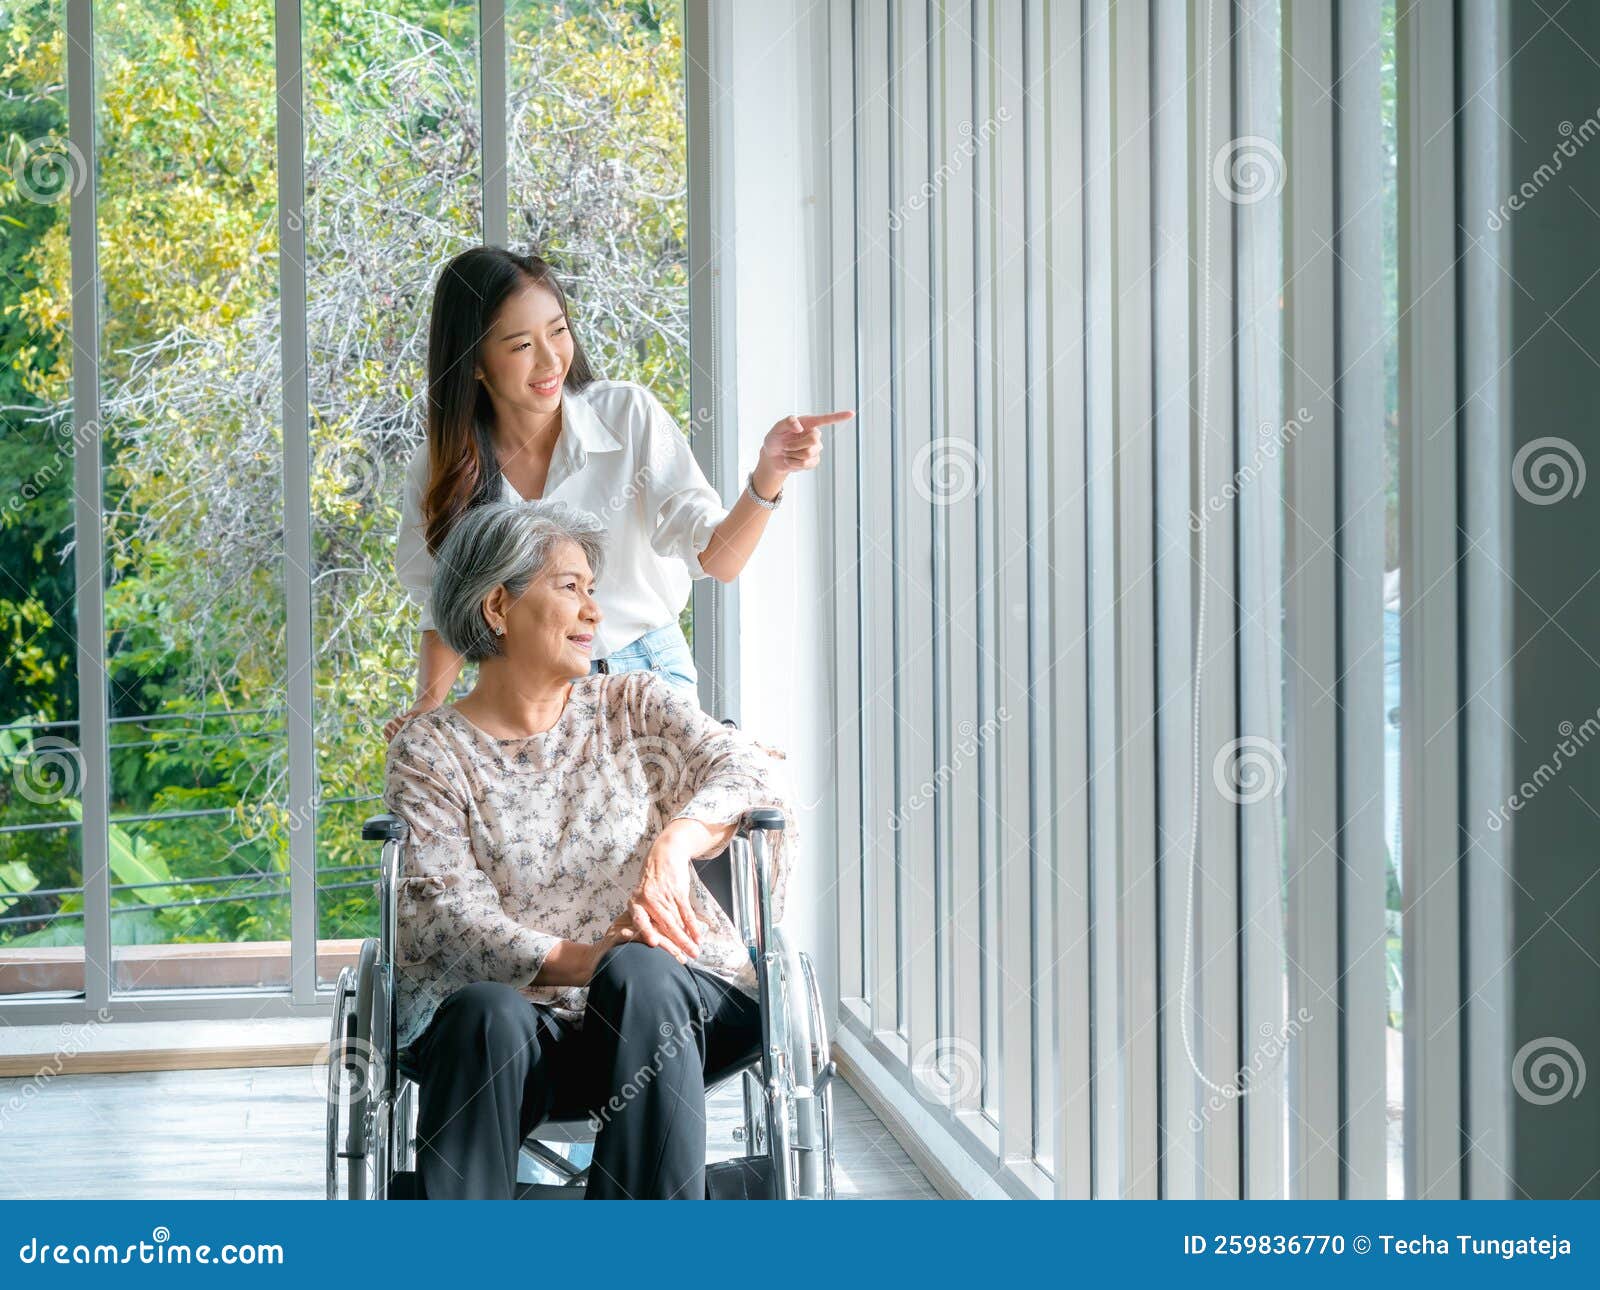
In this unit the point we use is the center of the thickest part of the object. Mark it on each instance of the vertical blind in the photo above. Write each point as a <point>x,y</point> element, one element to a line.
<point>1109,587</point>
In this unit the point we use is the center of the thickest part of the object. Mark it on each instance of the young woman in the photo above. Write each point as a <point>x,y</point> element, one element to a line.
<point>516,414</point>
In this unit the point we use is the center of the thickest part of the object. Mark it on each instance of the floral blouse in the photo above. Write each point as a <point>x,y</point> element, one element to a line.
<point>516,844</point>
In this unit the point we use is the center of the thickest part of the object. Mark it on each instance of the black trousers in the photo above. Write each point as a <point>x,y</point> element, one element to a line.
<point>493,1066</point>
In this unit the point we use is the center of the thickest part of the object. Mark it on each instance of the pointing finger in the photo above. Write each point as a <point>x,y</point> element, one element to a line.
<point>826,418</point>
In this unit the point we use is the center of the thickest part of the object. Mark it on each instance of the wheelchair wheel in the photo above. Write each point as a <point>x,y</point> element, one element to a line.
<point>755,1119</point>
<point>798,1120</point>
<point>820,1134</point>
<point>359,1139</point>
<point>343,999</point>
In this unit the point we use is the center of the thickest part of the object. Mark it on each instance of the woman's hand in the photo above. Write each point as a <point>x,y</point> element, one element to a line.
<point>638,926</point>
<point>794,444</point>
<point>616,934</point>
<point>574,963</point>
<point>659,912</point>
<point>392,727</point>
<point>437,669</point>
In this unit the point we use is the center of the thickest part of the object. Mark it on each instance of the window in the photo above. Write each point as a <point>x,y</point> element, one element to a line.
<point>41,836</point>
<point>393,189</point>
<point>192,460</point>
<point>598,178</point>
<point>249,255</point>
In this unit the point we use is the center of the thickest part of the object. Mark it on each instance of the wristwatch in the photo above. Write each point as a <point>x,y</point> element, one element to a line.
<point>757,498</point>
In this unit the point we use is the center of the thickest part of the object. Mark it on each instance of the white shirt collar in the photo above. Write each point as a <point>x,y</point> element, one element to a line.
<point>582,430</point>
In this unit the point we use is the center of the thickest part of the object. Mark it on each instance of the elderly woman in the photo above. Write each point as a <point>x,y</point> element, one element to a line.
<point>556,954</point>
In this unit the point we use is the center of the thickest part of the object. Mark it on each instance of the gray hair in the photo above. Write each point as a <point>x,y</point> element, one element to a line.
<point>502,544</point>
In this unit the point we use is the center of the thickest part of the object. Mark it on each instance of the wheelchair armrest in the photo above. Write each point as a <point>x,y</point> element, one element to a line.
<point>763,819</point>
<point>716,872</point>
<point>391,831</point>
<point>383,828</point>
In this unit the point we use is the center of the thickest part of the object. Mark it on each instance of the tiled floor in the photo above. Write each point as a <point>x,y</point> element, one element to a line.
<point>258,1133</point>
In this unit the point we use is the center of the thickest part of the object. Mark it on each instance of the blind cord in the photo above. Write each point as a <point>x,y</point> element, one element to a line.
<point>1235,1089</point>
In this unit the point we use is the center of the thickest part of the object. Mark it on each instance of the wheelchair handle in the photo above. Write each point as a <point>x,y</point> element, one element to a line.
<point>388,897</point>
<point>391,831</point>
<point>762,819</point>
<point>743,885</point>
<point>751,872</point>
<point>383,828</point>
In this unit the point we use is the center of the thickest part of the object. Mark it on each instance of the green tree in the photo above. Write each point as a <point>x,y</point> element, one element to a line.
<point>191,395</point>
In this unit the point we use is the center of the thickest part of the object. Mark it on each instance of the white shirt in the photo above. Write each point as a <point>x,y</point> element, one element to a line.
<point>621,456</point>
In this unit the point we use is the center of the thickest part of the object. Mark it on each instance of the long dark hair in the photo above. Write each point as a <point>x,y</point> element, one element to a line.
<point>463,470</point>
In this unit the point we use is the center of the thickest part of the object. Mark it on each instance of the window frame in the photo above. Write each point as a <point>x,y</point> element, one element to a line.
<point>715,447</point>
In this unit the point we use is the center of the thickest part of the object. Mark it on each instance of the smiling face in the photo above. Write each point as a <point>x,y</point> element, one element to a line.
<point>525,356</point>
<point>550,628</point>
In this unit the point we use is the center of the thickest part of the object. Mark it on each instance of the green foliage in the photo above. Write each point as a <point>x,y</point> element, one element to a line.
<point>35,599</point>
<point>191,433</point>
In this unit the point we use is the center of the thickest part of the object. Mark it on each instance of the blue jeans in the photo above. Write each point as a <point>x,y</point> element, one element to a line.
<point>663,651</point>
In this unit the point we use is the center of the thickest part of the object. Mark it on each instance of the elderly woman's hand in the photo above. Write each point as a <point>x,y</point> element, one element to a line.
<point>659,911</point>
<point>633,924</point>
<point>615,935</point>
<point>574,963</point>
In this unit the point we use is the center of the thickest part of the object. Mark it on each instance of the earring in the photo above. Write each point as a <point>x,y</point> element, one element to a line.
<point>499,631</point>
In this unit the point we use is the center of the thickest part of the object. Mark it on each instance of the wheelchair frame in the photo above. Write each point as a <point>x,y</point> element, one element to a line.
<point>788,1098</point>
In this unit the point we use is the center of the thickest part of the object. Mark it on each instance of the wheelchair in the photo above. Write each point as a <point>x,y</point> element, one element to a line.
<point>788,1099</point>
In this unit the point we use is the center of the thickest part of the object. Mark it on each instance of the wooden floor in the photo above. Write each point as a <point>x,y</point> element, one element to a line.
<point>257,1133</point>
